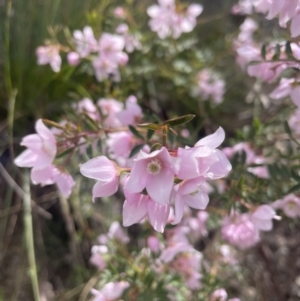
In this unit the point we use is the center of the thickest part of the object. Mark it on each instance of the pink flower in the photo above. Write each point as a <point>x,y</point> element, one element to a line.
<point>153,243</point>
<point>41,148</point>
<point>132,114</point>
<point>110,108</point>
<point>53,175</point>
<point>154,172</point>
<point>197,224</point>
<point>167,22</point>
<point>116,232</point>
<point>111,291</point>
<point>240,231</point>
<point>138,206</point>
<point>262,217</point>
<point>73,58</point>
<point>111,48</point>
<point>189,193</point>
<point>119,12</point>
<point>219,295</point>
<point>203,159</point>
<point>87,106</point>
<point>120,144</point>
<point>105,172</point>
<point>131,42</point>
<point>290,205</point>
<point>85,41</point>
<point>295,26</point>
<point>49,55</point>
<point>210,86</point>
<point>97,258</point>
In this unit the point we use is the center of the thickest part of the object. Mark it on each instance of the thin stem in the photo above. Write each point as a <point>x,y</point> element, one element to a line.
<point>165,130</point>
<point>29,237</point>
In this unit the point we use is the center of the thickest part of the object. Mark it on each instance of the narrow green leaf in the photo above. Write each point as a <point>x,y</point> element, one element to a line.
<point>134,131</point>
<point>65,152</point>
<point>150,126</point>
<point>294,189</point>
<point>263,51</point>
<point>179,120</point>
<point>136,149</point>
<point>287,128</point>
<point>155,147</point>
<point>288,49</point>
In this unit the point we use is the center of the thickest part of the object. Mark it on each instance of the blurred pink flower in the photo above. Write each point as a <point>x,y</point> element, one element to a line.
<point>294,122</point>
<point>262,217</point>
<point>111,291</point>
<point>97,258</point>
<point>73,58</point>
<point>131,42</point>
<point>240,231</point>
<point>132,113</point>
<point>105,172</point>
<point>290,205</point>
<point>119,12</point>
<point>85,41</point>
<point>49,55</point>
<point>219,295</point>
<point>116,232</point>
<point>120,144</point>
<point>153,243</point>
<point>110,108</point>
<point>210,86</point>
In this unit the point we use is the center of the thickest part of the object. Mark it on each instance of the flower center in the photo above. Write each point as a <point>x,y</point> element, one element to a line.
<point>154,167</point>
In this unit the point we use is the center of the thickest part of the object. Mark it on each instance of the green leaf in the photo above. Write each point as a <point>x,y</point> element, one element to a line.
<point>65,152</point>
<point>288,49</point>
<point>150,126</point>
<point>150,134</point>
<point>294,189</point>
<point>263,51</point>
<point>179,120</point>
<point>155,147</point>
<point>287,128</point>
<point>134,131</point>
<point>276,56</point>
<point>136,149</point>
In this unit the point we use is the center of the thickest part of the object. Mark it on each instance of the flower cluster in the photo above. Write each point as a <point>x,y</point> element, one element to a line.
<point>151,187</point>
<point>167,21</point>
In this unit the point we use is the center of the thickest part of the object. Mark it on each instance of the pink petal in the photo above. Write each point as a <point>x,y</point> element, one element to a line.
<point>43,160</point>
<point>104,189</point>
<point>33,142</point>
<point>190,186</point>
<point>213,140</point>
<point>159,187</point>
<point>26,159</point>
<point>138,177</point>
<point>197,201</point>
<point>295,95</point>
<point>134,209</point>
<point>179,209</point>
<point>195,10</point>
<point>64,181</point>
<point>158,215</point>
<point>264,212</point>
<point>295,26</point>
<point>42,176</point>
<point>43,131</point>
<point>99,168</point>
<point>221,168</point>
